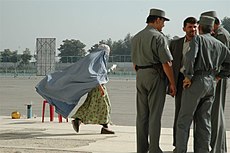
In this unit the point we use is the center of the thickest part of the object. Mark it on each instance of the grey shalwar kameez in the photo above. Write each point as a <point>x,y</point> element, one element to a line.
<point>218,134</point>
<point>149,47</point>
<point>202,61</point>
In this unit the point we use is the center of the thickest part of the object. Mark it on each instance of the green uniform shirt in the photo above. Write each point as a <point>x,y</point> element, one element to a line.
<point>223,35</point>
<point>207,54</point>
<point>149,47</point>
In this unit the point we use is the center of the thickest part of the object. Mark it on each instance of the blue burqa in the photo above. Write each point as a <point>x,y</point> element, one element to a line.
<point>64,89</point>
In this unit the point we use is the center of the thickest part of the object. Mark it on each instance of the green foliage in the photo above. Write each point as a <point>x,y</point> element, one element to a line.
<point>71,50</point>
<point>226,23</point>
<point>26,57</point>
<point>9,56</point>
<point>93,48</point>
<point>118,48</point>
<point>122,47</point>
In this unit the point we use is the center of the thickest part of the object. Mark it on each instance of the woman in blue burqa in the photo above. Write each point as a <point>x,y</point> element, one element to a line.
<point>63,89</point>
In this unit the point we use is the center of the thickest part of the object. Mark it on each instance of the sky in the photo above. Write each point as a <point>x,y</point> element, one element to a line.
<point>22,21</point>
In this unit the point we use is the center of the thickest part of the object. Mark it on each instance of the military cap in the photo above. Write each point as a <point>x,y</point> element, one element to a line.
<point>206,20</point>
<point>159,13</point>
<point>209,13</point>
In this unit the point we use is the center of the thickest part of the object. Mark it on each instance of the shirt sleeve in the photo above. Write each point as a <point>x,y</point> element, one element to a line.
<point>225,70</point>
<point>223,39</point>
<point>163,49</point>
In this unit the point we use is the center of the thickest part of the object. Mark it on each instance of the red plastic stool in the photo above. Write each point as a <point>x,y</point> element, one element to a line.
<point>51,112</point>
<point>60,118</point>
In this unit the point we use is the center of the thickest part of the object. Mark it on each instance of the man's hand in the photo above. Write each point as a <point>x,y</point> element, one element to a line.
<point>218,79</point>
<point>186,83</point>
<point>102,90</point>
<point>172,89</point>
<point>134,67</point>
<point>167,67</point>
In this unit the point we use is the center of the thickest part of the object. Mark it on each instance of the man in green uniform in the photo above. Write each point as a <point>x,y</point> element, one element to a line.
<point>152,60</point>
<point>218,136</point>
<point>202,61</point>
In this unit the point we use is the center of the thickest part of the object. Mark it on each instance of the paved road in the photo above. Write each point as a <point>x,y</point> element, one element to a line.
<point>15,93</point>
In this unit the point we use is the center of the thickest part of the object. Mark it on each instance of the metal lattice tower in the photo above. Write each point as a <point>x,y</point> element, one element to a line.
<point>46,50</point>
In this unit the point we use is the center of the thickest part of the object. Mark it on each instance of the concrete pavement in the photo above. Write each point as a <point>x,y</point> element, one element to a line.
<point>16,92</point>
<point>31,135</point>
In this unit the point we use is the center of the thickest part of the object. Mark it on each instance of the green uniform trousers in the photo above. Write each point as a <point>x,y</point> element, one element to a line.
<point>151,92</point>
<point>218,134</point>
<point>196,106</point>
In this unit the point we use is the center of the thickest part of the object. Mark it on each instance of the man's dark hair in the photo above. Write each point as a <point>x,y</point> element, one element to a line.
<point>152,18</point>
<point>190,20</point>
<point>217,21</point>
<point>206,28</point>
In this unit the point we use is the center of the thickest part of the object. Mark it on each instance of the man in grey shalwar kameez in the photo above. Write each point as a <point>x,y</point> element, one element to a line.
<point>202,62</point>
<point>64,89</point>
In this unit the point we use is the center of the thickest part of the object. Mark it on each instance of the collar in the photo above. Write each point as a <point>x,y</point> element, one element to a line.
<point>185,39</point>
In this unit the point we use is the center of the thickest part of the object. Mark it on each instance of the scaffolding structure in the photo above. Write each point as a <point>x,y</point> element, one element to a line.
<point>46,50</point>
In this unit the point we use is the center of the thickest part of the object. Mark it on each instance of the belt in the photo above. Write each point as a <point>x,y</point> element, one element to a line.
<point>200,72</point>
<point>154,66</point>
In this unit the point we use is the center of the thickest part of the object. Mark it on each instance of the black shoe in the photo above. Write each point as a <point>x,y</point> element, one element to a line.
<point>106,131</point>
<point>76,124</point>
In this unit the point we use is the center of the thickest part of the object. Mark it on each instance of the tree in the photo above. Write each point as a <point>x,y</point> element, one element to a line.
<point>120,50</point>
<point>226,23</point>
<point>8,56</point>
<point>26,57</point>
<point>127,44</point>
<point>122,47</point>
<point>117,47</point>
<point>108,42</point>
<point>15,57</point>
<point>71,50</point>
<point>94,48</point>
